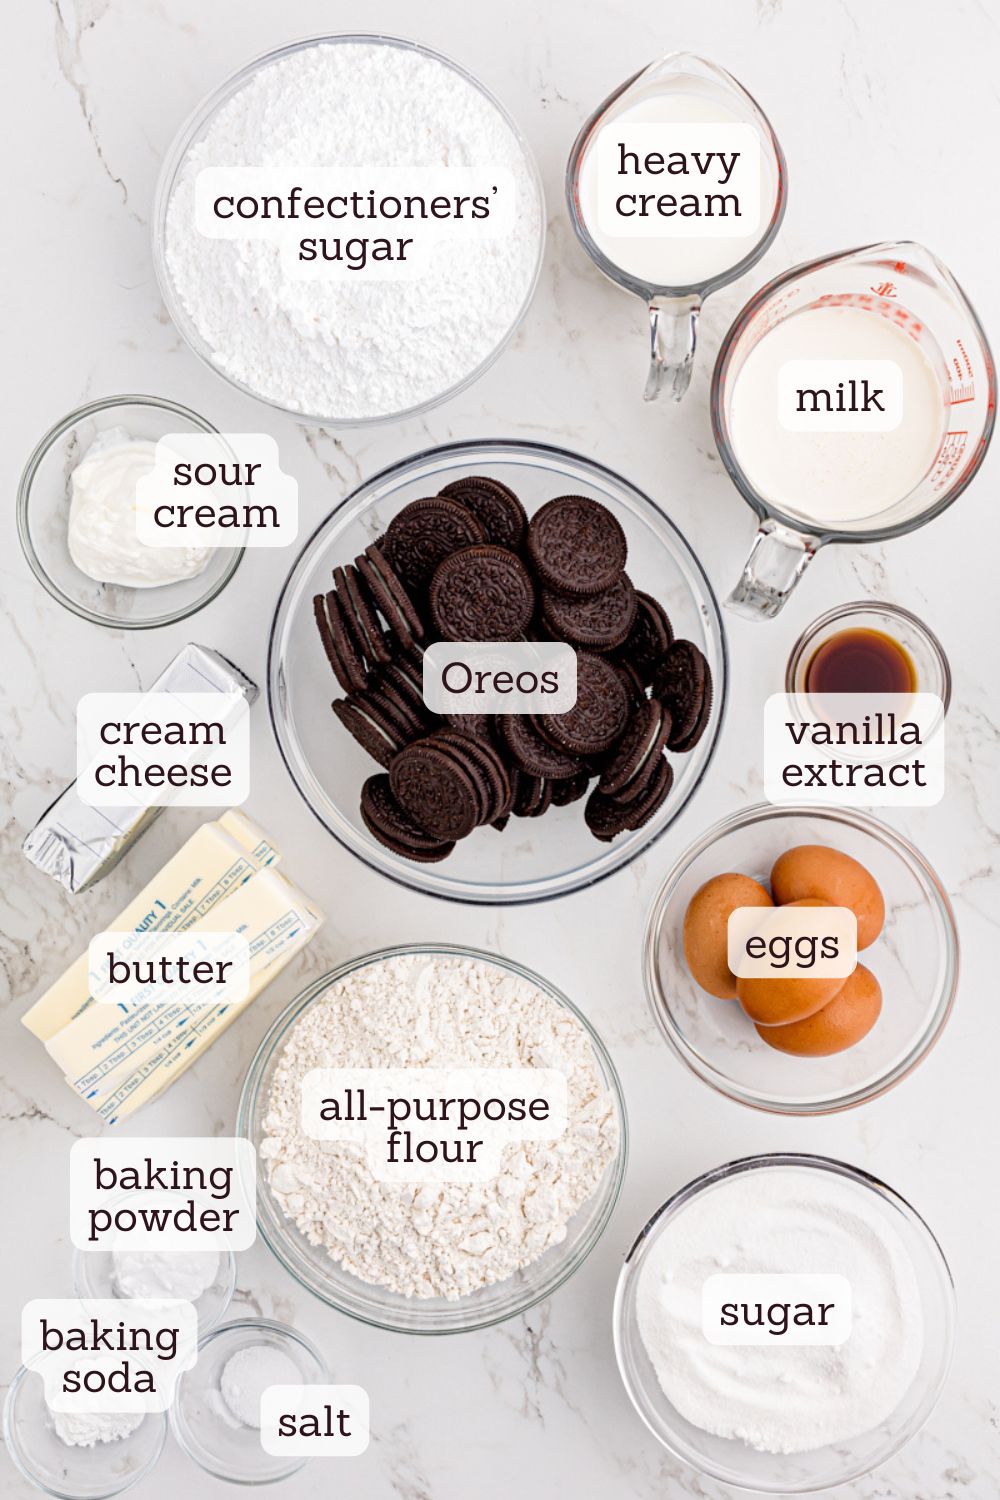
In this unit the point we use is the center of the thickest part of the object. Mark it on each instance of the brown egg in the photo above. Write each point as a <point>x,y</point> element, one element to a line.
<point>815,870</point>
<point>850,1015</point>
<point>777,1001</point>
<point>706,929</point>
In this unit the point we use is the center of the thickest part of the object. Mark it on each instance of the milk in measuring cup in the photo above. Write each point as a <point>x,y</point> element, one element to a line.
<point>681,247</point>
<point>835,476</point>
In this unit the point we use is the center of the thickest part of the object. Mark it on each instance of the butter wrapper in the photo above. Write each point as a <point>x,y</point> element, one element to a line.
<point>78,845</point>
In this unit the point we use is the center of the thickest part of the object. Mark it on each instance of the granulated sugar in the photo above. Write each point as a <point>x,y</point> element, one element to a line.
<point>449,1240</point>
<point>352,349</point>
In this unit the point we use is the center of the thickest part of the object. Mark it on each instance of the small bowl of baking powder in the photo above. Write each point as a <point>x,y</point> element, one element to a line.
<point>370,122</point>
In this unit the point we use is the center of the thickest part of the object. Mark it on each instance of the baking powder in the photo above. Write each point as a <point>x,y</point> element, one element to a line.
<point>354,349</point>
<point>424,1240</point>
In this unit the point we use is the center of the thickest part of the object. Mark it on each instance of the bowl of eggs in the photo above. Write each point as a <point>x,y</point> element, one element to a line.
<point>792,1042</point>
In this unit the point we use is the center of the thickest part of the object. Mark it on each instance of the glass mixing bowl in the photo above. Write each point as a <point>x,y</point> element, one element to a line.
<point>197,126</point>
<point>915,960</point>
<point>74,1473</point>
<point>314,1269</point>
<point>43,501</point>
<point>733,1463</point>
<point>534,858</point>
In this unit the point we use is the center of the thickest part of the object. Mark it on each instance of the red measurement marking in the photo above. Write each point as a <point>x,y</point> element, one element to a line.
<point>884,289</point>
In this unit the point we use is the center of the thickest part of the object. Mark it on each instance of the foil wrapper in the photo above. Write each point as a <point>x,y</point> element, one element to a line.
<point>77,845</point>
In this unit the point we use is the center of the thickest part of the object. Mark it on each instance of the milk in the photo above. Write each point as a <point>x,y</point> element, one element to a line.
<point>835,477</point>
<point>675,258</point>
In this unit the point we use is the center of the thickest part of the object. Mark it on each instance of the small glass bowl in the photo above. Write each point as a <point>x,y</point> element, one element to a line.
<point>94,1276</point>
<point>74,1473</point>
<point>316,1270</point>
<point>197,126</point>
<point>921,645</point>
<point>733,1463</point>
<point>43,500</point>
<point>535,859</point>
<point>202,1423</point>
<point>915,960</point>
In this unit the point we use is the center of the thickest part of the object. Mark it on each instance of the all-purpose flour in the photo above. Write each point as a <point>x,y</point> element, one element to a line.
<point>417,1239</point>
<point>353,349</point>
<point>780,1398</point>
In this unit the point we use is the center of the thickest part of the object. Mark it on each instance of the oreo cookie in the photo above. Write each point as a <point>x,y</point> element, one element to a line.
<point>356,602</point>
<point>683,683</point>
<point>576,546</point>
<point>570,789</point>
<point>643,740</point>
<point>495,507</point>
<point>607,817</point>
<point>382,743</point>
<point>435,790</point>
<point>599,622</point>
<point>423,534</point>
<point>481,594</point>
<point>385,819</point>
<point>343,651</point>
<point>649,637</point>
<point>531,752</point>
<point>599,717</point>
<point>390,596</point>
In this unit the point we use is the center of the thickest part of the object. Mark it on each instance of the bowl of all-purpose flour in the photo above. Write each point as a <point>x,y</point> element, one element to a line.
<point>779,1406</point>
<point>420,1256</point>
<point>357,123</point>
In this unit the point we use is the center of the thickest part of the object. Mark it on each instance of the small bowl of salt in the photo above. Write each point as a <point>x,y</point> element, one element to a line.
<point>206,1278</point>
<point>216,1412</point>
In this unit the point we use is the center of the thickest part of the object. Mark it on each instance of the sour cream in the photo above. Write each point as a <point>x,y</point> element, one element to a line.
<point>102,539</point>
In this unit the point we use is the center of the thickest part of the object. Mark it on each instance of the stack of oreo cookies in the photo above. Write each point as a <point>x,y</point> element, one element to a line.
<point>468,565</point>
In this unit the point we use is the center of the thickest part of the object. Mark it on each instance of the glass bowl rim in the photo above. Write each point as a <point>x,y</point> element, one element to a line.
<point>17,1458</point>
<point>862,822</point>
<point>416,878</point>
<point>34,462</point>
<point>847,612</point>
<point>278,1030</point>
<point>204,111</point>
<point>809,1161</point>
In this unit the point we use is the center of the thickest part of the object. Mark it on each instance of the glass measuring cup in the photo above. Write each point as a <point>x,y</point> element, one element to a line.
<point>674,310</point>
<point>907,284</point>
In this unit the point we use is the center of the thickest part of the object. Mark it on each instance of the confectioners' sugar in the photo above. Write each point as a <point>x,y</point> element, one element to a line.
<point>783,1398</point>
<point>448,1240</point>
<point>352,349</point>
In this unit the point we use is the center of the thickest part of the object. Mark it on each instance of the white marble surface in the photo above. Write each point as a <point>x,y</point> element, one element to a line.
<point>887,114</point>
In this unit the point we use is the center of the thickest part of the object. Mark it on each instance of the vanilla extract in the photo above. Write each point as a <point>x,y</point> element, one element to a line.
<point>873,729</point>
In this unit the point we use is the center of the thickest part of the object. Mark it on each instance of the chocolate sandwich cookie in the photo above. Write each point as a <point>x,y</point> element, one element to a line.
<point>400,681</point>
<point>356,601</point>
<point>392,599</point>
<point>481,593</point>
<point>423,534</point>
<point>576,546</point>
<point>570,789</point>
<point>643,740</point>
<point>531,752</point>
<point>649,637</point>
<point>434,790</point>
<point>386,821</point>
<point>341,647</point>
<point>382,744</point>
<point>683,683</point>
<point>607,817</point>
<point>495,507</point>
<point>600,621</point>
<point>530,795</point>
<point>486,768</point>
<point>598,718</point>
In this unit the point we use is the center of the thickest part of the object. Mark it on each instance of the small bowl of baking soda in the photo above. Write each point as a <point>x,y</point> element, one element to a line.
<point>216,1412</point>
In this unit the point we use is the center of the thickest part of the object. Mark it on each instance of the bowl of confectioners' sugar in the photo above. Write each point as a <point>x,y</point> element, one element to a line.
<point>790,1394</point>
<point>412,1254</point>
<point>373,234</point>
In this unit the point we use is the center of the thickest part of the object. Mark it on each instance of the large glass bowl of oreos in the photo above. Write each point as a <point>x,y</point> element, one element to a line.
<point>485,810</point>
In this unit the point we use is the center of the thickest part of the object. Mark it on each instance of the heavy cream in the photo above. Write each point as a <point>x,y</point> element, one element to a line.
<point>103,540</point>
<point>847,474</point>
<point>711,226</point>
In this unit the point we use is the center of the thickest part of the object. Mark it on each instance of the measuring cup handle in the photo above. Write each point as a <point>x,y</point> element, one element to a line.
<point>778,558</point>
<point>673,334</point>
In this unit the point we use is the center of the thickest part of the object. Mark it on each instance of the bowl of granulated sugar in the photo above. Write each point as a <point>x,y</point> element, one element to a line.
<point>350,229</point>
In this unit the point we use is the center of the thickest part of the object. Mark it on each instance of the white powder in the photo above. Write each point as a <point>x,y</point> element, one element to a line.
<point>448,1240</point>
<point>158,1273</point>
<point>780,1398</point>
<point>247,1375</point>
<point>353,349</point>
<point>85,1429</point>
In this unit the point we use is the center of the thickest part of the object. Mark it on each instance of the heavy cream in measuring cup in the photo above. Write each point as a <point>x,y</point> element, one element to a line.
<point>675,190</point>
<point>836,414</point>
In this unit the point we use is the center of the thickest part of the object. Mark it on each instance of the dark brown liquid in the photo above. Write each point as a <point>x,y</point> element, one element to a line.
<point>861,661</point>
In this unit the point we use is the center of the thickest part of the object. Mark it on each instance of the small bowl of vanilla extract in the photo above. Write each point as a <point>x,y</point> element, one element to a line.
<point>868,647</point>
